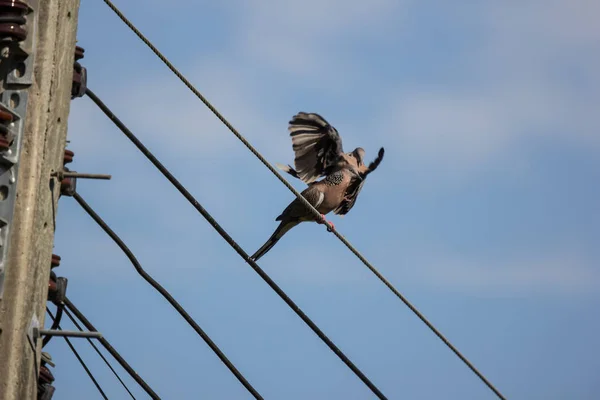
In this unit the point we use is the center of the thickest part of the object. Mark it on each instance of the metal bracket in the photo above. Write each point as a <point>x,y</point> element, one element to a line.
<point>17,44</point>
<point>20,52</point>
<point>38,333</point>
<point>34,324</point>
<point>68,180</point>
<point>57,289</point>
<point>74,174</point>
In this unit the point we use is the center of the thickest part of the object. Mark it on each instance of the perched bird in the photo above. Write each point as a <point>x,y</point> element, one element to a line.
<point>319,153</point>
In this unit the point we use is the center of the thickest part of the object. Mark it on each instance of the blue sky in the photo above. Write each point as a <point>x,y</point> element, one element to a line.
<point>484,212</point>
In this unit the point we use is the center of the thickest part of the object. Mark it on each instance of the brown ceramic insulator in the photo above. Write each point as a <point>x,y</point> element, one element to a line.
<point>5,135</point>
<point>6,116</point>
<point>13,30</point>
<point>55,262</point>
<point>4,144</point>
<point>14,6</point>
<point>68,157</point>
<point>79,53</point>
<point>76,86</point>
<point>11,18</point>
<point>45,375</point>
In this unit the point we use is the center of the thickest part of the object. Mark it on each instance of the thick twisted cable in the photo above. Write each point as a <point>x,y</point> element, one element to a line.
<point>110,349</point>
<point>74,321</point>
<point>192,200</point>
<point>165,293</point>
<point>76,354</point>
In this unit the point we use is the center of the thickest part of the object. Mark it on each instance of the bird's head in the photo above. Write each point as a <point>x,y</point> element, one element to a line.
<point>356,157</point>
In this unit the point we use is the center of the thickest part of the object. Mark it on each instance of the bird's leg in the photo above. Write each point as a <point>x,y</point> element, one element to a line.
<point>323,220</point>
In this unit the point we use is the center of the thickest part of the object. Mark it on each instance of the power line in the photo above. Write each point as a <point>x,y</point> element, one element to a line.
<point>74,321</point>
<point>165,293</point>
<point>55,322</point>
<point>88,325</point>
<point>232,242</point>
<point>87,370</point>
<point>302,199</point>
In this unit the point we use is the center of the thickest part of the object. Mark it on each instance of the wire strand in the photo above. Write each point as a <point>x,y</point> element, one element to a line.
<point>302,199</point>
<point>85,367</point>
<point>165,293</point>
<point>55,323</point>
<point>233,243</point>
<point>88,325</point>
<point>74,321</point>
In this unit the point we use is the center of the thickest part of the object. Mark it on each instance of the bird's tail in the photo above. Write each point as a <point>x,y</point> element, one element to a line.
<point>375,163</point>
<point>281,230</point>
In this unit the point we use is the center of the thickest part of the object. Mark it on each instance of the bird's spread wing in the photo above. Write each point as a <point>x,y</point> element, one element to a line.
<point>356,185</point>
<point>288,169</point>
<point>317,145</point>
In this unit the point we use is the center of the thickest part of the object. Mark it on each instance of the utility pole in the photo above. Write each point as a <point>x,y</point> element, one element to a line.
<point>37,44</point>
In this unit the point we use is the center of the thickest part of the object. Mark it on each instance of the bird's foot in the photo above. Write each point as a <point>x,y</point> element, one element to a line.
<point>323,221</point>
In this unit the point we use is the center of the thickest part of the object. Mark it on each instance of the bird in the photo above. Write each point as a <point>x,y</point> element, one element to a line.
<point>319,153</point>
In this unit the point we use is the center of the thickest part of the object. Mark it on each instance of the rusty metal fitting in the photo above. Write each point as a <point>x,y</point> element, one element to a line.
<point>79,85</point>
<point>68,186</point>
<point>57,290</point>
<point>68,157</point>
<point>55,261</point>
<point>12,17</point>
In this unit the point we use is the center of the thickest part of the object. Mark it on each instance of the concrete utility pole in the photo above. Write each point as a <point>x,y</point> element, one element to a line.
<point>37,88</point>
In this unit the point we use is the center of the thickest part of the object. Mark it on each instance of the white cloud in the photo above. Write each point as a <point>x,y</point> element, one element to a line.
<point>550,23</point>
<point>447,129</point>
<point>530,77</point>
<point>303,39</point>
<point>555,272</point>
